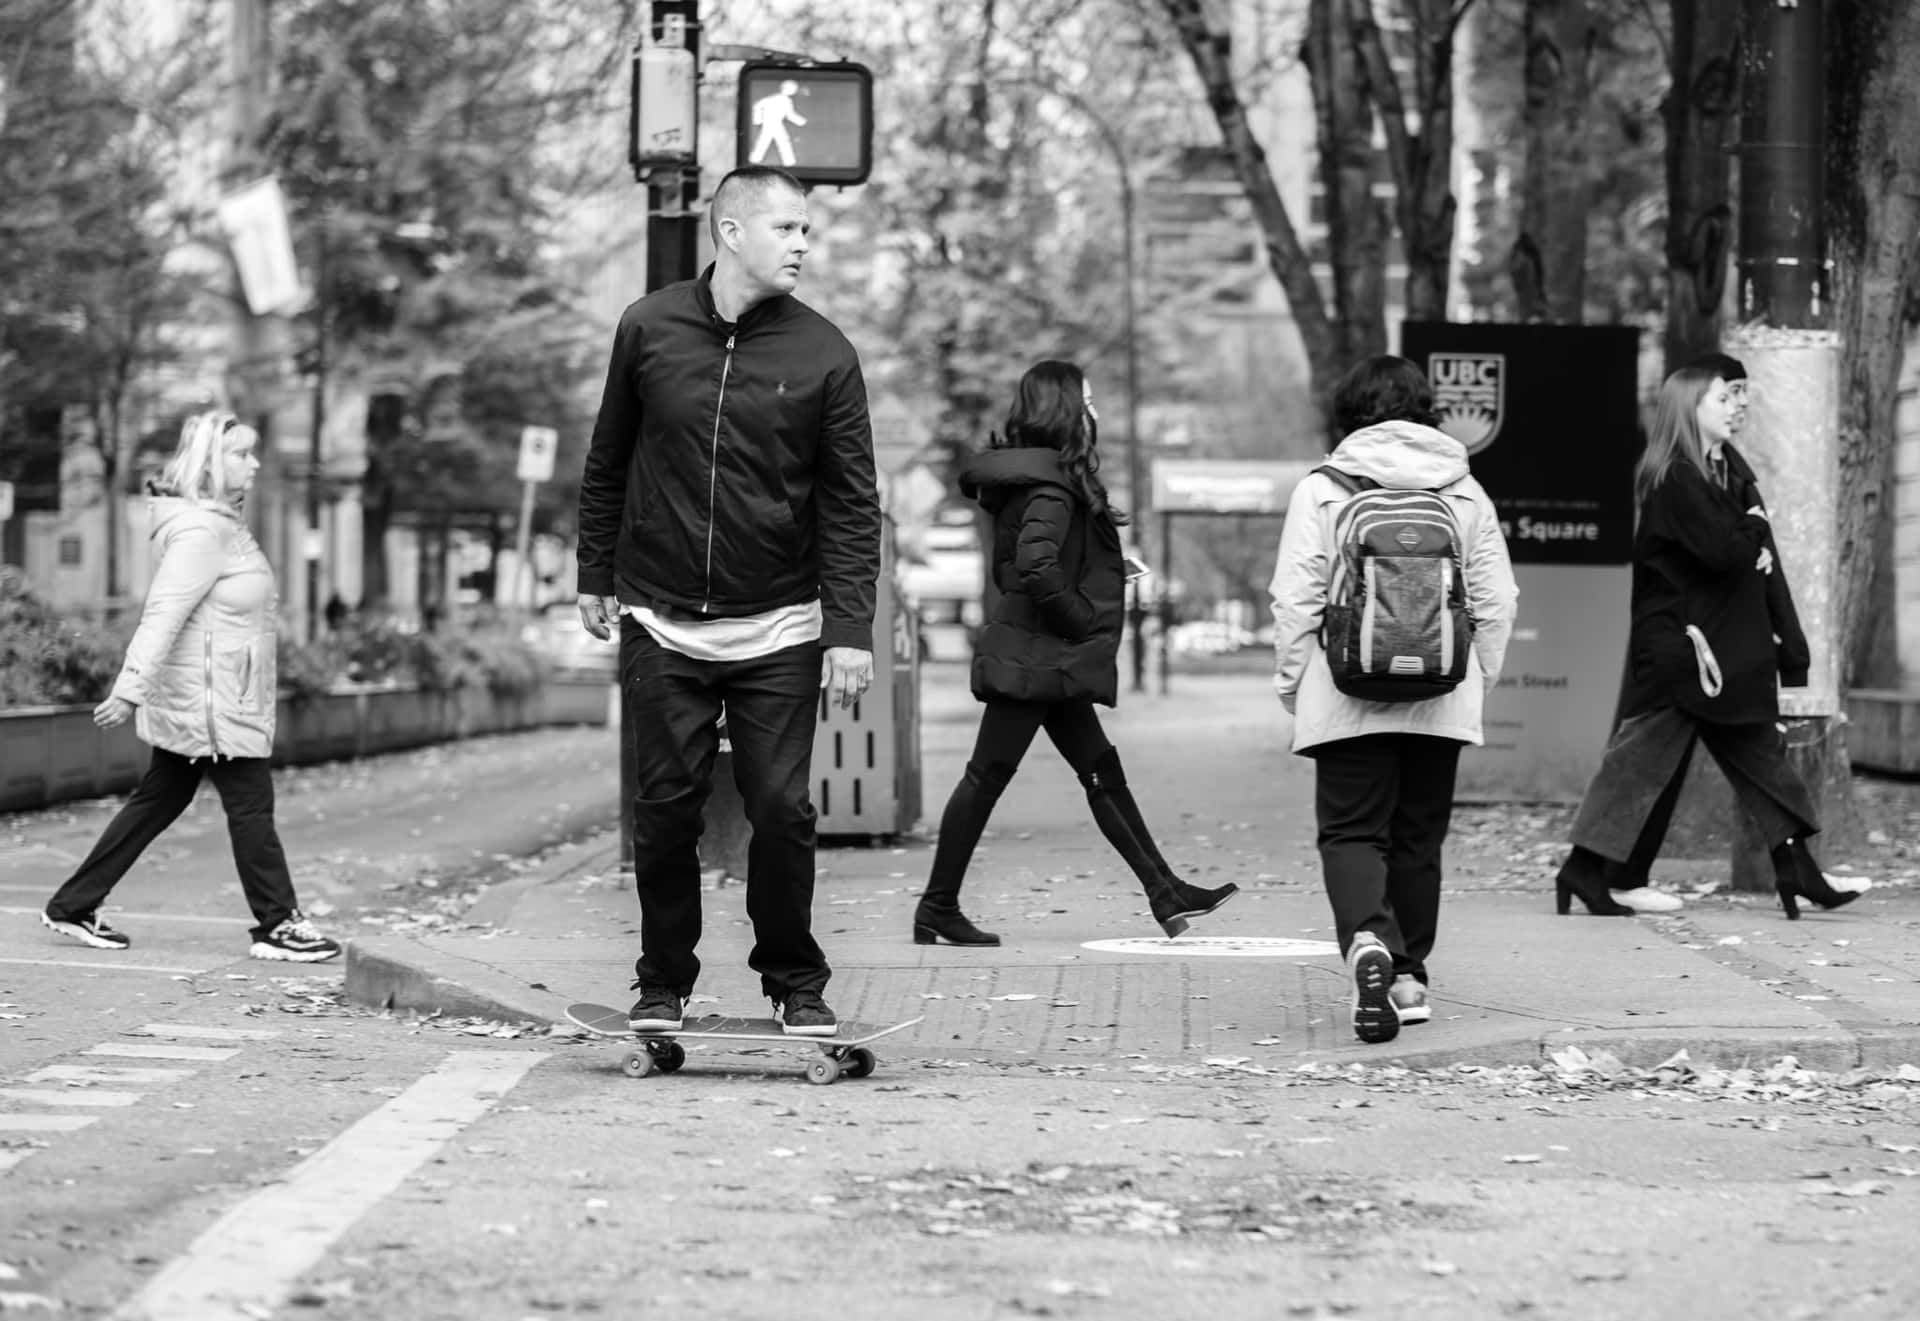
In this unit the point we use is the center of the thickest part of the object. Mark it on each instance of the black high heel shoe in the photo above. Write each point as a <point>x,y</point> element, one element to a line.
<point>1589,883</point>
<point>933,925</point>
<point>1797,876</point>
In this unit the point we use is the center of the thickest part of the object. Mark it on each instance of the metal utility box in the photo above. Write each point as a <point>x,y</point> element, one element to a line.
<point>866,759</point>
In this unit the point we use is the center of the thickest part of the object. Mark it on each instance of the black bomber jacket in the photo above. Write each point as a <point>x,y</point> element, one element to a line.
<point>731,468</point>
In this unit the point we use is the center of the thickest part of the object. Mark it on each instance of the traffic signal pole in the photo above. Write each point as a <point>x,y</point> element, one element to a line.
<point>673,254</point>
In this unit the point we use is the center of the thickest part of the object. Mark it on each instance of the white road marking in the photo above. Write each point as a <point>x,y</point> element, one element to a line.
<point>120,915</point>
<point>113,965</point>
<point>134,1050</point>
<point>37,851</point>
<point>82,1073</point>
<point>67,1096</point>
<point>45,1123</point>
<point>245,1263</point>
<point>189,1032</point>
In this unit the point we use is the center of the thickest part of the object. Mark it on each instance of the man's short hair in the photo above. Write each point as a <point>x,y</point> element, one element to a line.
<point>1724,365</point>
<point>743,192</point>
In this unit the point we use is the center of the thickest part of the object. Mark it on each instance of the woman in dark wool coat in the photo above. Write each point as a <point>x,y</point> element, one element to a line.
<point>1713,637</point>
<point>1049,651</point>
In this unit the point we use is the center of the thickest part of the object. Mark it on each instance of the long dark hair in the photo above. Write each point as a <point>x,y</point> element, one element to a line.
<point>1675,437</point>
<point>1050,412</point>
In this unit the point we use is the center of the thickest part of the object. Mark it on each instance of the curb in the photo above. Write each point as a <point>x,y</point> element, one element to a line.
<point>395,973</point>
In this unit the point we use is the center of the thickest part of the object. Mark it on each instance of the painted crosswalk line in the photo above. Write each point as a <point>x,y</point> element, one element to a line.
<point>245,1263</point>
<point>45,1123</point>
<point>87,1096</point>
<point>140,1050</point>
<point>111,964</point>
<point>193,1032</point>
<point>123,1077</point>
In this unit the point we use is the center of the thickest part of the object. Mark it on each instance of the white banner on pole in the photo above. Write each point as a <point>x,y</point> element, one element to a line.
<point>254,219</point>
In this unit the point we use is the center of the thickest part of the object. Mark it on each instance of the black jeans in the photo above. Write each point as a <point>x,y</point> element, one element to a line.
<point>772,705</point>
<point>1383,803</point>
<point>245,785</point>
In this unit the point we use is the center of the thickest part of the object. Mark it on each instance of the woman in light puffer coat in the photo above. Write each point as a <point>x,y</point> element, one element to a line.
<point>199,680</point>
<point>1384,771</point>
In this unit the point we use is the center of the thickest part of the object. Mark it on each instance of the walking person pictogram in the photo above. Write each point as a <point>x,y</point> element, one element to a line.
<point>772,114</point>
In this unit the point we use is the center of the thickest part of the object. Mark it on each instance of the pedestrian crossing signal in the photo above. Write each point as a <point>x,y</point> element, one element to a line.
<point>813,120</point>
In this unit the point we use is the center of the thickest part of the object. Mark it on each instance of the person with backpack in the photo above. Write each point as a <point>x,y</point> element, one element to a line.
<point>1713,637</point>
<point>1393,599</point>
<point>1049,650</point>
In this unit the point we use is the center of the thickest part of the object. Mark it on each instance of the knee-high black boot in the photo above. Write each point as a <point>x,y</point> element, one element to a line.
<point>1118,817</point>
<point>1198,899</point>
<point>937,916</point>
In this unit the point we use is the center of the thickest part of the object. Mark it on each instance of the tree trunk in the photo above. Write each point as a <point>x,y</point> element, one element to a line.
<point>1356,222</point>
<point>1700,110</point>
<point>1874,227</point>
<point>1559,36</point>
<point>1420,141</point>
<point>1211,53</point>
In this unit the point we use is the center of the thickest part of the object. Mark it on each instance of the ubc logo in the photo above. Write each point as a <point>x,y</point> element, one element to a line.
<point>1470,394</point>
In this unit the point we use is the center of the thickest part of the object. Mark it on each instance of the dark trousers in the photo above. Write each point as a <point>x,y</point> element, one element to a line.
<point>245,785</point>
<point>772,705</point>
<point>1007,730</point>
<point>1623,817</point>
<point>1383,803</point>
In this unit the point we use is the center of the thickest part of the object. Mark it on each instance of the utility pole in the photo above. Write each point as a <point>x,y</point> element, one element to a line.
<point>1782,332</point>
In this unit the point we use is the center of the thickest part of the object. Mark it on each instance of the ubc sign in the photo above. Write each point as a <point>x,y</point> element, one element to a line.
<point>813,120</point>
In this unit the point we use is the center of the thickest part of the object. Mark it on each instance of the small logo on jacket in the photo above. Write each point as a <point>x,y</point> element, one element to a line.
<point>1470,394</point>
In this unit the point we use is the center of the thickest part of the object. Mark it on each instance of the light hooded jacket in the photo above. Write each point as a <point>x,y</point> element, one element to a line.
<point>1399,456</point>
<point>201,665</point>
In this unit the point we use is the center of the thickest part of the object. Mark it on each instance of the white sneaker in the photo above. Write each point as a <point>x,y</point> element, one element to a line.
<point>1410,1000</point>
<point>1646,899</point>
<point>1849,884</point>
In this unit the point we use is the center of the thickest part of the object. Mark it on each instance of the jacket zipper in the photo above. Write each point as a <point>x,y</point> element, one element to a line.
<point>213,743</point>
<point>713,469</point>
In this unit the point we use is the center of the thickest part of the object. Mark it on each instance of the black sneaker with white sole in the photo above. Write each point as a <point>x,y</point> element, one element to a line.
<point>657,1010</point>
<point>88,930</point>
<point>294,940</point>
<point>805,1014</point>
<point>1375,1020</point>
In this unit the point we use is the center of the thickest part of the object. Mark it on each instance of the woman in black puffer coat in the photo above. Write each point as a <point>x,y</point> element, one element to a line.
<point>1050,649</point>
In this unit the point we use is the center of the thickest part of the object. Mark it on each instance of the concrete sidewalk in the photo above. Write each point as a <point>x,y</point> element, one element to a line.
<point>1259,984</point>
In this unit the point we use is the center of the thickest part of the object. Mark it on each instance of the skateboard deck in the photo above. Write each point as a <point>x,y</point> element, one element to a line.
<point>845,1052</point>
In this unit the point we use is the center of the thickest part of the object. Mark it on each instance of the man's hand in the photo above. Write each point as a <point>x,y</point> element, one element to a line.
<point>113,711</point>
<point>598,614</point>
<point>846,673</point>
<point>1765,562</point>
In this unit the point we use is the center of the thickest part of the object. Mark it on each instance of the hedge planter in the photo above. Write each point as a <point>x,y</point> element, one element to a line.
<point>50,754</point>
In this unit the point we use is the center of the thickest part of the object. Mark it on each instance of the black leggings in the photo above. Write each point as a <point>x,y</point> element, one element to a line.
<point>1007,730</point>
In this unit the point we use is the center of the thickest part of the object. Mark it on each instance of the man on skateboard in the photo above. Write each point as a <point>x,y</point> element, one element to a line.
<point>730,519</point>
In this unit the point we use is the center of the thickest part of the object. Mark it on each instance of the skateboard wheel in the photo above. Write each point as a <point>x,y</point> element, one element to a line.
<point>670,1056</point>
<point>823,1072</point>
<point>860,1062</point>
<point>637,1064</point>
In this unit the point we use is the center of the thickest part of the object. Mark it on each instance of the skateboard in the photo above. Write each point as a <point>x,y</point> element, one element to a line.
<point>845,1052</point>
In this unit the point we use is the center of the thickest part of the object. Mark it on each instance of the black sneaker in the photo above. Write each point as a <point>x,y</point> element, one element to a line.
<point>88,930</point>
<point>295,940</point>
<point>1375,1020</point>
<point>805,1014</point>
<point>657,1010</point>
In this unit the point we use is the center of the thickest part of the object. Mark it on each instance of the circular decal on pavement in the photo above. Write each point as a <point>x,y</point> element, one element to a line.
<point>1219,947</point>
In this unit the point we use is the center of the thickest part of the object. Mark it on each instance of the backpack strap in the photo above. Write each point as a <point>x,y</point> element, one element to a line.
<point>1346,481</point>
